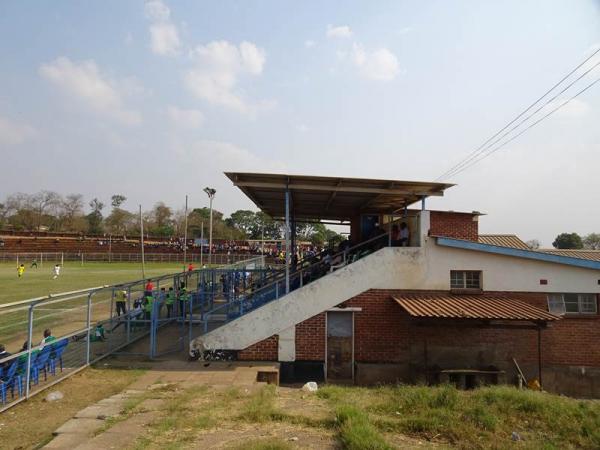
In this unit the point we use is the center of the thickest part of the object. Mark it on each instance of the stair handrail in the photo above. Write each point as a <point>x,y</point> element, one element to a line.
<point>242,295</point>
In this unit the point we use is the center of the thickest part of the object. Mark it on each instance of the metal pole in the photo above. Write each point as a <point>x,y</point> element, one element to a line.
<point>540,355</point>
<point>142,243</point>
<point>89,328</point>
<point>262,238</point>
<point>29,339</point>
<point>185,233</point>
<point>287,241</point>
<point>210,233</point>
<point>62,259</point>
<point>109,247</point>
<point>201,242</point>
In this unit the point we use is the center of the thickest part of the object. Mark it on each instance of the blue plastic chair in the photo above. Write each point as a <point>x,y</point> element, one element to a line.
<point>9,381</point>
<point>56,355</point>
<point>40,363</point>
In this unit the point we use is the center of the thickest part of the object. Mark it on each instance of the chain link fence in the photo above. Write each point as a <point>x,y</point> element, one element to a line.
<point>48,339</point>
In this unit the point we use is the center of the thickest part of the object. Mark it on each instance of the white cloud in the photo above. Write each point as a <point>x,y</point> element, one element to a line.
<point>575,108</point>
<point>221,156</point>
<point>342,31</point>
<point>13,132</point>
<point>157,11</point>
<point>164,39</point>
<point>84,82</point>
<point>302,128</point>
<point>164,36</point>
<point>309,44</point>
<point>405,30</point>
<point>185,118</point>
<point>219,65</point>
<point>379,65</point>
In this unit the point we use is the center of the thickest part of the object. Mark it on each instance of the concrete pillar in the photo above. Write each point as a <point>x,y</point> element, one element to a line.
<point>287,344</point>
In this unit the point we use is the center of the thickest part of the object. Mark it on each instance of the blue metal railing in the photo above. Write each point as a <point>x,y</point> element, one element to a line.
<point>258,294</point>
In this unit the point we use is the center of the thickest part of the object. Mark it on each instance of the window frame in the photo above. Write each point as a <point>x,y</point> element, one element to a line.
<point>464,275</point>
<point>583,301</point>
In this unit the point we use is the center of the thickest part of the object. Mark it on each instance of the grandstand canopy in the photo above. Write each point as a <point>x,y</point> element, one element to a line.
<point>331,198</point>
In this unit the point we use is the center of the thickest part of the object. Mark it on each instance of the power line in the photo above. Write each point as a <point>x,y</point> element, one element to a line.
<point>528,127</point>
<point>549,101</point>
<point>474,153</point>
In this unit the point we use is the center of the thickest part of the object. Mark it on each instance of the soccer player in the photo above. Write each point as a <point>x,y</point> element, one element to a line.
<point>33,264</point>
<point>56,271</point>
<point>20,270</point>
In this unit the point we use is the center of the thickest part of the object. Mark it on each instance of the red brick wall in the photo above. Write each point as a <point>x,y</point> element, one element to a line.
<point>266,350</point>
<point>385,333</point>
<point>454,225</point>
<point>310,339</point>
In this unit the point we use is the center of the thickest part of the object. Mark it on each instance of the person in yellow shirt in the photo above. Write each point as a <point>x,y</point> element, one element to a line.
<point>20,270</point>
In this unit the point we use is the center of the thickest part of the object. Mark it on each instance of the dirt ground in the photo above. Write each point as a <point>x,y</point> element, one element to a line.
<point>30,424</point>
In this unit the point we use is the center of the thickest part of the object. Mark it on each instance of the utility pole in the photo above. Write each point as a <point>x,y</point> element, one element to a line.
<point>201,243</point>
<point>185,234</point>
<point>142,243</point>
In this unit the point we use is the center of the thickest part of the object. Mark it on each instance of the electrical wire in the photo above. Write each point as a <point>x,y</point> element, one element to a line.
<point>549,101</point>
<point>479,149</point>
<point>528,127</point>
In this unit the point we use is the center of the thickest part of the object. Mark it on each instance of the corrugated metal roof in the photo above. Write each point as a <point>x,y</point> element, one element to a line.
<point>471,307</point>
<point>590,255</point>
<point>503,240</point>
<point>334,198</point>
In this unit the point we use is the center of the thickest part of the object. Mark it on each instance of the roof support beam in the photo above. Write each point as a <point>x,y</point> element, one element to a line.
<point>332,196</point>
<point>310,187</point>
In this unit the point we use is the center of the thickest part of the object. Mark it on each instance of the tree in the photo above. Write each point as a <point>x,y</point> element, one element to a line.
<point>533,244</point>
<point>95,217</point>
<point>592,241</point>
<point>161,220</point>
<point>117,200</point>
<point>243,220</point>
<point>45,204</point>
<point>20,212</point>
<point>71,213</point>
<point>120,221</point>
<point>568,241</point>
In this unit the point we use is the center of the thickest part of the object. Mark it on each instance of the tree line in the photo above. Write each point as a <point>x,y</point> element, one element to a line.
<point>571,241</point>
<point>49,210</point>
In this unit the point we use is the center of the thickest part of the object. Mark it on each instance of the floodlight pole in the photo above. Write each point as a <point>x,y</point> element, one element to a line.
<point>142,243</point>
<point>287,241</point>
<point>185,234</point>
<point>211,195</point>
<point>201,243</point>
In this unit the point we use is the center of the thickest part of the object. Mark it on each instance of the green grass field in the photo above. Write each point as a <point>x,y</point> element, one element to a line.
<point>73,276</point>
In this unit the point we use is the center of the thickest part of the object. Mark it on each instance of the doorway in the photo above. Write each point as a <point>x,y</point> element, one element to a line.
<point>340,346</point>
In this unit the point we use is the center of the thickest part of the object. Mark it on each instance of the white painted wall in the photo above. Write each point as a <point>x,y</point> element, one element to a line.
<point>423,268</point>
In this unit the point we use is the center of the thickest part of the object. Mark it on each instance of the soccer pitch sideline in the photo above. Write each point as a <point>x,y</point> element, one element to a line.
<point>73,276</point>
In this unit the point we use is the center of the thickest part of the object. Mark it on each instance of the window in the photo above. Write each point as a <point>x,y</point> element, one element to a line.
<point>572,303</point>
<point>465,279</point>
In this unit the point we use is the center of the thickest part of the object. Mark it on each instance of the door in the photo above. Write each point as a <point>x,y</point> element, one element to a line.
<point>367,226</point>
<point>340,346</point>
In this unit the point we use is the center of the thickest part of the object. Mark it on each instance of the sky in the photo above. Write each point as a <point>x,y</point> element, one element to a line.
<point>156,99</point>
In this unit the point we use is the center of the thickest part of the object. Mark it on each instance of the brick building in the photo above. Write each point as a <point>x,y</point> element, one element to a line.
<point>450,305</point>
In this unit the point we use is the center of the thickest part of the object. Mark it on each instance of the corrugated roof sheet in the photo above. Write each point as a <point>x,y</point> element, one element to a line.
<point>332,198</point>
<point>503,240</point>
<point>471,307</point>
<point>591,255</point>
